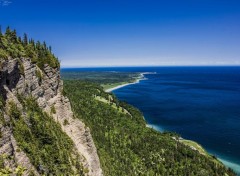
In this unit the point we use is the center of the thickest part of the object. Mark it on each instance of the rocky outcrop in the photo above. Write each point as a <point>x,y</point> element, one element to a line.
<point>78,132</point>
<point>21,76</point>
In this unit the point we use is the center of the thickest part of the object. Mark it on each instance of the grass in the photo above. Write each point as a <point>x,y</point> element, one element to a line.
<point>194,146</point>
<point>201,150</point>
<point>113,105</point>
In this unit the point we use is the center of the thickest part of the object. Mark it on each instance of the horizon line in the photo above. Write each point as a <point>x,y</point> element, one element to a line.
<point>122,66</point>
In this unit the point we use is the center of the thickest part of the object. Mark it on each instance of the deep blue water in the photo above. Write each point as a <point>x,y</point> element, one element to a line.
<point>199,103</point>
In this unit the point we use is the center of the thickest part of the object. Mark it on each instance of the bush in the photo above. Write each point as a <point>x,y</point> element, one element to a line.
<point>21,67</point>
<point>53,110</point>
<point>65,122</point>
<point>3,54</point>
<point>14,111</point>
<point>39,75</point>
<point>2,102</point>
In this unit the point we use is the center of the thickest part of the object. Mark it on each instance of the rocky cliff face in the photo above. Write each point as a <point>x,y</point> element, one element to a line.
<point>21,76</point>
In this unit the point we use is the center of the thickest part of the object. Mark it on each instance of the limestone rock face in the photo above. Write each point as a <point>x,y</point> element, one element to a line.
<point>21,76</point>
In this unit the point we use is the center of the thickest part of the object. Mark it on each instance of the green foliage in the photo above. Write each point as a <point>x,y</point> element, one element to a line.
<point>53,110</point>
<point>101,77</point>
<point>21,67</point>
<point>41,138</point>
<point>65,122</point>
<point>126,146</point>
<point>39,75</point>
<point>7,171</point>
<point>3,54</point>
<point>1,162</point>
<point>63,92</point>
<point>16,47</point>
<point>14,112</point>
<point>19,170</point>
<point>2,104</point>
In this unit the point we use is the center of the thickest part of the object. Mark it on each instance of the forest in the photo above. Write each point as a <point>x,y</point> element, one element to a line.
<point>126,146</point>
<point>13,46</point>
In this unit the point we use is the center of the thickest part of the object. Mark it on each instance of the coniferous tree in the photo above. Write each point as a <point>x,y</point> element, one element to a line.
<point>44,45</point>
<point>20,39</point>
<point>1,35</point>
<point>8,31</point>
<point>25,39</point>
<point>0,30</point>
<point>12,46</point>
<point>14,36</point>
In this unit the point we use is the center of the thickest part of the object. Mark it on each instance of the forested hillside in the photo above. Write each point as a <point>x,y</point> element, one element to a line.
<point>126,146</point>
<point>34,136</point>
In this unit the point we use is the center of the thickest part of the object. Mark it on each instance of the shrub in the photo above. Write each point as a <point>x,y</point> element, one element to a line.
<point>39,75</point>
<point>2,102</point>
<point>3,54</point>
<point>65,122</point>
<point>53,110</point>
<point>14,111</point>
<point>21,67</point>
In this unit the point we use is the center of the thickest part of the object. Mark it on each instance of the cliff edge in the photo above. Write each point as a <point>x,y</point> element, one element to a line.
<point>22,77</point>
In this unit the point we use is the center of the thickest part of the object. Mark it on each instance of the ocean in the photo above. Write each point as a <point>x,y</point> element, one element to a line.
<point>199,103</point>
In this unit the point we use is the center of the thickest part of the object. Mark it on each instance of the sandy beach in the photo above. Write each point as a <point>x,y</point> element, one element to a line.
<point>140,78</point>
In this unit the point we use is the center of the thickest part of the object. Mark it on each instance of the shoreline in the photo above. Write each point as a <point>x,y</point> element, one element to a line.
<point>226,162</point>
<point>140,78</point>
<point>230,164</point>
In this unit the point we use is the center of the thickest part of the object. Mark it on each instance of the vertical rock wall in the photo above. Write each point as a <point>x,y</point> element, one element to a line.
<point>21,76</point>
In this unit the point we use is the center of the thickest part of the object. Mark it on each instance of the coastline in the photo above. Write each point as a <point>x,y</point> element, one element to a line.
<point>228,163</point>
<point>138,79</point>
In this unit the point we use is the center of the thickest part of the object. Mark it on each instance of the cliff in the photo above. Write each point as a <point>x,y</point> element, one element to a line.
<point>22,78</point>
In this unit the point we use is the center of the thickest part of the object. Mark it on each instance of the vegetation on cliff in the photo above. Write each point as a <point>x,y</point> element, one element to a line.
<point>126,146</point>
<point>16,47</point>
<point>50,150</point>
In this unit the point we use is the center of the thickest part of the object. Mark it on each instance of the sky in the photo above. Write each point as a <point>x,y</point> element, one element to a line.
<point>95,33</point>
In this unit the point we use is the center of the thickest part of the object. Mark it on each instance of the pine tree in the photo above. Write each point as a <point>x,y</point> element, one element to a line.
<point>25,39</point>
<point>20,39</point>
<point>8,31</point>
<point>44,45</point>
<point>0,30</point>
<point>1,35</point>
<point>14,35</point>
<point>50,49</point>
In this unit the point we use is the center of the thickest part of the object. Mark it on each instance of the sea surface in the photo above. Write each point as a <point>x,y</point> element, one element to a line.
<point>199,103</point>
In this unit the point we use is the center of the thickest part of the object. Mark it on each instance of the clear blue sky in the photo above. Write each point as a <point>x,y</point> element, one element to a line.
<point>131,32</point>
